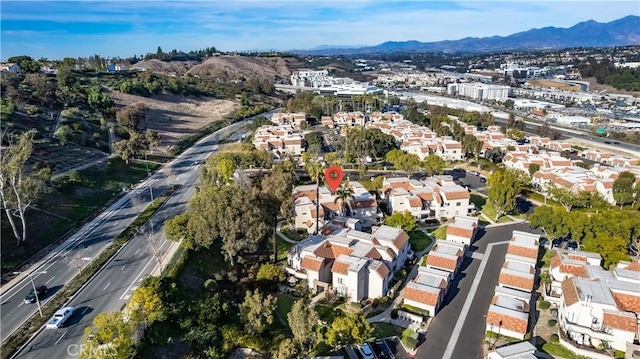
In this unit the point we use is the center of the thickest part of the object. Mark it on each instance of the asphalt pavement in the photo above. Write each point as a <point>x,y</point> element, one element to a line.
<point>113,285</point>
<point>458,330</point>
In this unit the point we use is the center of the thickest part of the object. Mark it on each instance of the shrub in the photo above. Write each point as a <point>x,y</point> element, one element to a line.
<point>544,304</point>
<point>619,354</point>
<point>375,303</point>
<point>554,338</point>
<point>394,314</point>
<point>552,322</point>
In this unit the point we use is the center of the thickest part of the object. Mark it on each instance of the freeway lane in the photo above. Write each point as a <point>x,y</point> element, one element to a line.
<point>112,287</point>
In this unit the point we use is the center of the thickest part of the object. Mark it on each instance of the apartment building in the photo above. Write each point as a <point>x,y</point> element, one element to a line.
<point>281,140</point>
<point>289,119</point>
<point>574,179</point>
<point>435,197</point>
<point>355,264</point>
<point>478,91</point>
<point>463,230</point>
<point>349,119</point>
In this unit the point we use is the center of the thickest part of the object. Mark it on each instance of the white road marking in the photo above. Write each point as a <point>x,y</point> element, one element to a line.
<point>106,286</point>
<point>123,267</point>
<point>47,282</point>
<point>20,305</point>
<point>59,339</point>
<point>137,251</point>
<point>455,335</point>
<point>85,309</point>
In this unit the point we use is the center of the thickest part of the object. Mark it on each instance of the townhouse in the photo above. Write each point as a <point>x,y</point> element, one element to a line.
<point>435,197</point>
<point>428,289</point>
<point>281,140</point>
<point>314,206</point>
<point>508,313</point>
<point>349,119</point>
<point>288,119</point>
<point>356,265</point>
<point>573,179</point>
<point>463,230</point>
<point>596,308</point>
<point>522,350</point>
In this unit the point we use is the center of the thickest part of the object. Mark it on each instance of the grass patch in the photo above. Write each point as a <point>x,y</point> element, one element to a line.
<point>374,312</point>
<point>282,247</point>
<point>493,335</point>
<point>440,232</point>
<point>478,200</point>
<point>489,211</point>
<point>423,262</point>
<point>385,330</point>
<point>505,219</point>
<point>540,198</point>
<point>284,304</point>
<point>419,241</point>
<point>544,257</point>
<point>408,339</point>
<point>414,310</point>
<point>559,350</point>
<point>326,313</point>
<point>293,235</point>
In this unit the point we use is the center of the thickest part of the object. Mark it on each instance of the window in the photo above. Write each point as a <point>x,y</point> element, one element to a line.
<point>340,280</point>
<point>458,204</point>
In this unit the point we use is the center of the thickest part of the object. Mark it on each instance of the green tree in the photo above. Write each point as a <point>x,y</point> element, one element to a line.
<point>546,281</point>
<point>256,312</point>
<point>314,143</point>
<point>64,134</point>
<point>303,320</point>
<point>270,272</point>
<point>569,199</point>
<point>504,189</point>
<point>175,228</point>
<point>145,306</point>
<point>286,350</point>
<point>348,330</point>
<point>230,214</point>
<point>26,63</point>
<point>515,134</point>
<point>101,101</point>
<point>113,332</point>
<point>343,195</point>
<point>623,189</point>
<point>472,146</point>
<point>404,220</point>
<point>551,219</point>
<point>611,248</point>
<point>131,116</point>
<point>134,147</point>
<point>368,142</point>
<point>433,164</point>
<point>20,183</point>
<point>533,168</point>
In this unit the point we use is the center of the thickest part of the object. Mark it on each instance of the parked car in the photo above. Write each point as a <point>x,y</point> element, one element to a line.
<point>572,245</point>
<point>41,290</point>
<point>61,316</point>
<point>483,179</point>
<point>383,350</point>
<point>367,352</point>
<point>556,243</point>
<point>475,173</point>
<point>616,142</point>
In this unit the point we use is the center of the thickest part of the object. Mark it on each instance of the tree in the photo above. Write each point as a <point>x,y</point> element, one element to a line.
<point>515,134</point>
<point>472,146</point>
<point>256,312</point>
<point>546,281</point>
<point>101,101</point>
<point>20,184</point>
<point>286,350</point>
<point>551,219</point>
<point>433,164</point>
<point>343,195</point>
<point>270,272</point>
<point>623,189</point>
<point>569,199</point>
<point>110,336</point>
<point>404,220</point>
<point>131,116</point>
<point>145,306</point>
<point>134,147</point>
<point>314,142</point>
<point>533,168</point>
<point>153,138</point>
<point>303,320</point>
<point>175,228</point>
<point>26,63</point>
<point>230,214</point>
<point>368,142</point>
<point>348,330</point>
<point>504,189</point>
<point>611,248</point>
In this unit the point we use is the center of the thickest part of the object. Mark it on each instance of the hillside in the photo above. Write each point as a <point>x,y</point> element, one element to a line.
<point>228,67</point>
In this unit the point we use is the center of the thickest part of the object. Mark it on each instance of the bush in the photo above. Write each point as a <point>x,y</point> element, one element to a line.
<point>552,322</point>
<point>554,338</point>
<point>394,314</point>
<point>375,303</point>
<point>544,304</point>
<point>619,354</point>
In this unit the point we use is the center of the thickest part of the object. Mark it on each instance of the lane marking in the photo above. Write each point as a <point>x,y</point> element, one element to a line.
<point>123,267</point>
<point>59,339</point>
<point>47,282</point>
<point>137,251</point>
<point>20,305</point>
<point>85,309</point>
<point>106,286</point>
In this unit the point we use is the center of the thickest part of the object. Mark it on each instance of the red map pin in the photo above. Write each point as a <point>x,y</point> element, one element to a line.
<point>333,175</point>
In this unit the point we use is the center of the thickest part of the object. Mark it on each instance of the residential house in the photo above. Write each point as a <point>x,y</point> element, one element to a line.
<point>355,264</point>
<point>281,140</point>
<point>507,322</point>
<point>446,256</point>
<point>288,119</point>
<point>10,67</point>
<point>521,350</point>
<point>349,119</point>
<point>363,205</point>
<point>462,230</point>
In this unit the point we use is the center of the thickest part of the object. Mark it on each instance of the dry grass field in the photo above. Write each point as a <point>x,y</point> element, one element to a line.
<point>175,117</point>
<point>555,84</point>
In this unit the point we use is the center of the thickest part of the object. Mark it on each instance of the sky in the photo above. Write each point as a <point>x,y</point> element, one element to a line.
<point>121,28</point>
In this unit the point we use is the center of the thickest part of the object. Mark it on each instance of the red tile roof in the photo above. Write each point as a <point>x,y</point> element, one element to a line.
<point>515,281</point>
<point>368,203</point>
<point>415,202</point>
<point>627,302</point>
<point>569,292</point>
<point>522,251</point>
<point>419,296</point>
<point>577,270</point>
<point>510,323</point>
<point>634,266</point>
<point>383,270</point>
<point>340,267</point>
<point>401,240</point>
<point>436,261</point>
<point>373,254</point>
<point>459,231</point>
<point>555,261</point>
<point>619,321</point>
<point>311,264</point>
<point>457,195</point>
<point>331,251</point>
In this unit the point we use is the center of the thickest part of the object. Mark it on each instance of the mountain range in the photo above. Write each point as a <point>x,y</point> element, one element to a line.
<point>621,32</point>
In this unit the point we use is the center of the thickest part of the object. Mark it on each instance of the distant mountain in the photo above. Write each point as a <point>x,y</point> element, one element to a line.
<point>621,32</point>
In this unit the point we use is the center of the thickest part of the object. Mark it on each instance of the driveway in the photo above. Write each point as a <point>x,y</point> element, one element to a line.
<point>458,330</point>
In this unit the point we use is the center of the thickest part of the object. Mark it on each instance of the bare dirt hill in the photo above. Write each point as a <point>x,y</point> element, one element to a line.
<point>175,117</point>
<point>173,67</point>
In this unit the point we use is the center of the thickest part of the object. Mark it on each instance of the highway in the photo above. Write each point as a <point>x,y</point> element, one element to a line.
<point>113,285</point>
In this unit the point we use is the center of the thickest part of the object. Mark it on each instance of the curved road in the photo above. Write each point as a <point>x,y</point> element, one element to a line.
<point>112,286</point>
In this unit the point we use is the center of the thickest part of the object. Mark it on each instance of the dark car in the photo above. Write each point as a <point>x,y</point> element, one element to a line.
<point>556,243</point>
<point>607,142</point>
<point>483,179</point>
<point>616,142</point>
<point>572,245</point>
<point>31,297</point>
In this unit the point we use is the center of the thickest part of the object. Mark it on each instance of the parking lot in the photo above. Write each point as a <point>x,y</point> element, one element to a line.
<point>389,348</point>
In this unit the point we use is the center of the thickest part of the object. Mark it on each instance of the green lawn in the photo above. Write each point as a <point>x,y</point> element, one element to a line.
<point>478,200</point>
<point>544,257</point>
<point>282,247</point>
<point>326,312</point>
<point>440,232</point>
<point>414,310</point>
<point>424,260</point>
<point>540,198</point>
<point>559,350</point>
<point>285,302</point>
<point>294,235</point>
<point>384,330</point>
<point>419,240</point>
<point>489,211</point>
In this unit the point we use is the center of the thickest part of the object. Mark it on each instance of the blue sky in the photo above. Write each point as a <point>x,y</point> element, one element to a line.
<point>57,29</point>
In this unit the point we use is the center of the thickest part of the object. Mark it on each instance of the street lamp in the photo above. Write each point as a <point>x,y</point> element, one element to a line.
<point>34,288</point>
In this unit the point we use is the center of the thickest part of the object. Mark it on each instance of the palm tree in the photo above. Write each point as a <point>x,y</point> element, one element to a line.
<point>546,281</point>
<point>343,195</point>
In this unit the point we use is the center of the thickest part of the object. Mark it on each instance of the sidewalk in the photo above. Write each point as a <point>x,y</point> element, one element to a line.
<point>166,258</point>
<point>281,235</point>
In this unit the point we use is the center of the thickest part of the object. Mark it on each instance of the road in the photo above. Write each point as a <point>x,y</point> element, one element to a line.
<point>458,332</point>
<point>108,290</point>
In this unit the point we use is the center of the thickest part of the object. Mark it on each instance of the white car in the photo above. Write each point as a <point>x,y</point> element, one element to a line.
<point>61,316</point>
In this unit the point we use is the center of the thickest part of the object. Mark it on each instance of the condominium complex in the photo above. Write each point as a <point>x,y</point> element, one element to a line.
<point>479,91</point>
